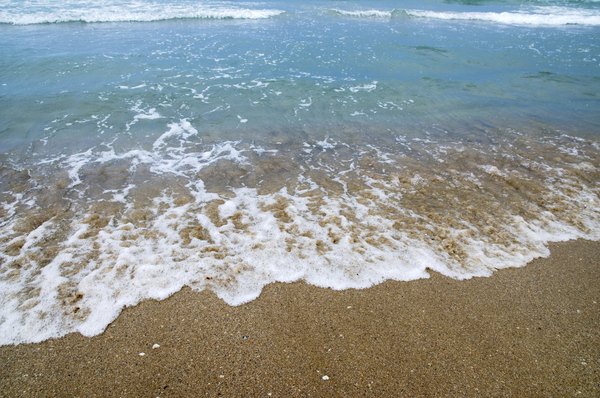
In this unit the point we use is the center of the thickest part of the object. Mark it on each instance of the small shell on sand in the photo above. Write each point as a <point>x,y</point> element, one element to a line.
<point>325,377</point>
<point>155,346</point>
<point>142,354</point>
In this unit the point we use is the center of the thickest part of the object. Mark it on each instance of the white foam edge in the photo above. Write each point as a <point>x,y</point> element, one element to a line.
<point>155,275</point>
<point>134,13</point>
<point>339,269</point>
<point>369,13</point>
<point>541,16</point>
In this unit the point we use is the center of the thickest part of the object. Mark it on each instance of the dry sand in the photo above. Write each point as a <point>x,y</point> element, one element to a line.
<point>533,331</point>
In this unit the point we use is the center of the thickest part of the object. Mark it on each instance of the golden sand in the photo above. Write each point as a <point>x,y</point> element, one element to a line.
<point>532,331</point>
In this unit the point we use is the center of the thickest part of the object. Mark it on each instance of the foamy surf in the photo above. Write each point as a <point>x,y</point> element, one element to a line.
<point>548,16</point>
<point>137,11</point>
<point>338,149</point>
<point>115,228</point>
<point>537,16</point>
<point>371,13</point>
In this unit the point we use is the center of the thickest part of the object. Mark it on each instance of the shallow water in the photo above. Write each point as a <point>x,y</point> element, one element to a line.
<point>230,145</point>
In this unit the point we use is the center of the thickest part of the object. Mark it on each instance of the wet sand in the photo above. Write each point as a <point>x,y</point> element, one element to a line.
<point>532,331</point>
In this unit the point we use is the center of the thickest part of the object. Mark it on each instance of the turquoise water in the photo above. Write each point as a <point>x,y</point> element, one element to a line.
<point>151,145</point>
<point>298,69</point>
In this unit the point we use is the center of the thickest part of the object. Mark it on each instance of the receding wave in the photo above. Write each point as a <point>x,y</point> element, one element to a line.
<point>87,234</point>
<point>131,14</point>
<point>538,16</point>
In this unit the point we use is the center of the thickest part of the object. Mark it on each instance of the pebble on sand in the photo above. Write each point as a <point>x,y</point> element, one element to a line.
<point>155,346</point>
<point>325,377</point>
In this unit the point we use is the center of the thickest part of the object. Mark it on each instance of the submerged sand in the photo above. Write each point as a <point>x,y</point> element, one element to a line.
<point>84,235</point>
<point>532,331</point>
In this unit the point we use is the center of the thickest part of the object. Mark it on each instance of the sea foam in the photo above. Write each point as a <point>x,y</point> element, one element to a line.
<point>538,16</point>
<point>535,16</point>
<point>136,11</point>
<point>372,13</point>
<point>118,227</point>
<point>226,159</point>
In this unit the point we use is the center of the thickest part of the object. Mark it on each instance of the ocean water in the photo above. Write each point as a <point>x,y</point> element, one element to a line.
<point>150,145</point>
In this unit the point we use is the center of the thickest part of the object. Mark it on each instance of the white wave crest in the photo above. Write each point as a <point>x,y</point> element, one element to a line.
<point>130,12</point>
<point>539,16</point>
<point>363,13</point>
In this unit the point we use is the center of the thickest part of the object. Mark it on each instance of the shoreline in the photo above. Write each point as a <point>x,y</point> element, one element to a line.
<point>530,331</point>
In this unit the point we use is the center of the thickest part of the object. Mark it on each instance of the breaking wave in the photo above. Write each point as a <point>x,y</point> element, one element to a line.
<point>85,235</point>
<point>129,12</point>
<point>537,16</point>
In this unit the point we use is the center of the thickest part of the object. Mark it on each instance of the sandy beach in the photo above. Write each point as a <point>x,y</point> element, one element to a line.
<point>532,331</point>
<point>203,198</point>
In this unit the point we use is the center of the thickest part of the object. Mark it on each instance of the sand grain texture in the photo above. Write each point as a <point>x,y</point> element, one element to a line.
<point>533,331</point>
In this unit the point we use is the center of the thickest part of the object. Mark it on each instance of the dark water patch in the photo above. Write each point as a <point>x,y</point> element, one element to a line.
<point>431,50</point>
